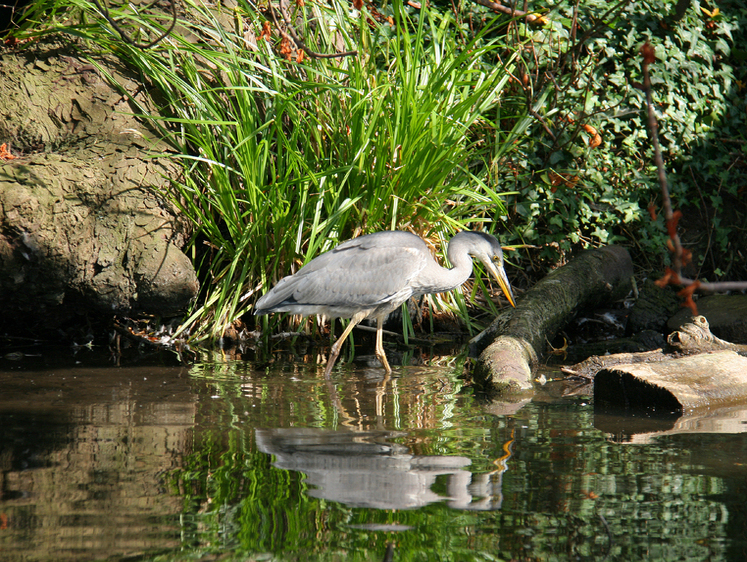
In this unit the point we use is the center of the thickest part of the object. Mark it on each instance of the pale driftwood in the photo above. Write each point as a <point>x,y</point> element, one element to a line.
<point>594,277</point>
<point>708,374</point>
<point>675,386</point>
<point>693,337</point>
<point>696,337</point>
<point>588,368</point>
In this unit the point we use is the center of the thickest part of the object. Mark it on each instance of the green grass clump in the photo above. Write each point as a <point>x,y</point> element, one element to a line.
<point>284,158</point>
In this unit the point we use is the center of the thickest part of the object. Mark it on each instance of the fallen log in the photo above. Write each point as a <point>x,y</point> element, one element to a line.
<point>692,377</point>
<point>515,343</point>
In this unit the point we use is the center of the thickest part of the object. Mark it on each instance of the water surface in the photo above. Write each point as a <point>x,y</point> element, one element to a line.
<point>232,460</point>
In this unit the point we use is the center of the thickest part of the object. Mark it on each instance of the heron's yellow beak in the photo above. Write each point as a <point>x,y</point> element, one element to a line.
<point>500,275</point>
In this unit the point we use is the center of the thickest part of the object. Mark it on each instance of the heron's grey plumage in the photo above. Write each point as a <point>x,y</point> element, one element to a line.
<point>370,276</point>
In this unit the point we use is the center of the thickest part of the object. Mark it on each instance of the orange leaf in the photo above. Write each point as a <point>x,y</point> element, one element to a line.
<point>687,293</point>
<point>687,256</point>
<point>5,152</point>
<point>555,178</point>
<point>652,211</point>
<point>689,290</point>
<point>648,52</point>
<point>664,281</point>
<point>266,30</point>
<point>357,4</point>
<point>285,48</point>
<point>596,138</point>
<point>672,224</point>
<point>668,277</point>
<point>589,129</point>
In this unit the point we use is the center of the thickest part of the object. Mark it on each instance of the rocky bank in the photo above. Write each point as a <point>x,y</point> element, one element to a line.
<point>83,230</point>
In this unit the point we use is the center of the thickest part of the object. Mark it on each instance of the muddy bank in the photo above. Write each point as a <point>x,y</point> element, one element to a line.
<point>82,229</point>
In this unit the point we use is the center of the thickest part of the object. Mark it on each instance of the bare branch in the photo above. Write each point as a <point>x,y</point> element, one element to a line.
<point>653,128</point>
<point>290,33</point>
<point>717,285</point>
<point>126,38</point>
<point>513,12</point>
<point>675,276</point>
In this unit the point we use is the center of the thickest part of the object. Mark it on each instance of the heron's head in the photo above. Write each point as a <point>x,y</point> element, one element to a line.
<point>487,249</point>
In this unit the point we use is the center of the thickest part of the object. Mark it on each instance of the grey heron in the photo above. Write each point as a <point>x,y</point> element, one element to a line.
<point>370,276</point>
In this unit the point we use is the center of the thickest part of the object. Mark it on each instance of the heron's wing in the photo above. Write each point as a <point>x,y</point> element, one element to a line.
<point>360,274</point>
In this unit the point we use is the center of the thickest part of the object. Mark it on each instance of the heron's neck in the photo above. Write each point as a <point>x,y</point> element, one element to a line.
<point>437,279</point>
<point>461,265</point>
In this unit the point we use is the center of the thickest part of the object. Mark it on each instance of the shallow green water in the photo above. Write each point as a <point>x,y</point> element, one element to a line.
<point>222,460</point>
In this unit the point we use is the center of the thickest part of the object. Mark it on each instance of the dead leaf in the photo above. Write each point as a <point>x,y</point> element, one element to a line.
<point>5,152</point>
<point>266,31</point>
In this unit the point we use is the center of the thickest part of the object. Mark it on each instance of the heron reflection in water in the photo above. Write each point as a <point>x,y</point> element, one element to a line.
<point>371,276</point>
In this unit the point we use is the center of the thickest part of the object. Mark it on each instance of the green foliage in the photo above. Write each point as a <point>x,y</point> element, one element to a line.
<point>599,195</point>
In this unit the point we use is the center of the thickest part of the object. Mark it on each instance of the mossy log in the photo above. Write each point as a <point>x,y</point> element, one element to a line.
<point>515,343</point>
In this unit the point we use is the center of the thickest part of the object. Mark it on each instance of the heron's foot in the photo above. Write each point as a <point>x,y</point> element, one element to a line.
<point>382,357</point>
<point>379,349</point>
<point>333,354</point>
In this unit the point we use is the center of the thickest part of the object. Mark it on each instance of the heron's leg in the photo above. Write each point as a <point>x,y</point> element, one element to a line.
<point>335,351</point>
<point>380,395</point>
<point>380,345</point>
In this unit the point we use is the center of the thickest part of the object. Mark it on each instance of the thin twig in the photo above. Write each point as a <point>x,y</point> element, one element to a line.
<point>495,6</point>
<point>653,128</point>
<point>513,12</point>
<point>126,38</point>
<point>290,34</point>
<point>675,275</point>
<point>610,537</point>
